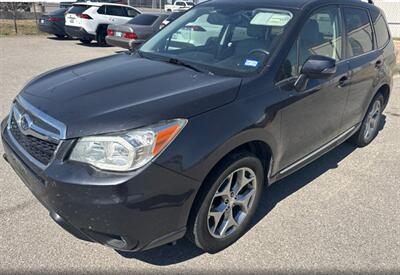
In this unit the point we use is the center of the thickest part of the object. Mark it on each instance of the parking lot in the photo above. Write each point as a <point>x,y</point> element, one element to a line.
<point>339,214</point>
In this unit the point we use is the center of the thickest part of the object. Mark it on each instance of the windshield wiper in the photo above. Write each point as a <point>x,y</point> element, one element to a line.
<point>182,63</point>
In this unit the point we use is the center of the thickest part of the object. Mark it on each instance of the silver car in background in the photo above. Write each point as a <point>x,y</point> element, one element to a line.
<point>136,31</point>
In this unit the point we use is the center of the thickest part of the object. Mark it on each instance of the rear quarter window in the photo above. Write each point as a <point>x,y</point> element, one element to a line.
<point>382,31</point>
<point>78,9</point>
<point>359,31</point>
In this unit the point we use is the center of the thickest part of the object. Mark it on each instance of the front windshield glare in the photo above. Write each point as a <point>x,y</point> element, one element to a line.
<point>221,40</point>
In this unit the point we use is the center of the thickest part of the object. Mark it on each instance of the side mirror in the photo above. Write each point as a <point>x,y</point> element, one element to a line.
<point>316,66</point>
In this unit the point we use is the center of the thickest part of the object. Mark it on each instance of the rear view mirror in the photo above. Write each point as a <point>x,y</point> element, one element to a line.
<point>315,67</point>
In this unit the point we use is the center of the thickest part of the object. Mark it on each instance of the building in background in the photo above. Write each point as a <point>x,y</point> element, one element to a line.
<point>392,11</point>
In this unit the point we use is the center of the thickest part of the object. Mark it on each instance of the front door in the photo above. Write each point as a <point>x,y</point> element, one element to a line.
<point>313,117</point>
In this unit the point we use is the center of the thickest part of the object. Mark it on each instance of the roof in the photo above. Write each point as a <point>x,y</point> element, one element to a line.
<point>295,4</point>
<point>99,4</point>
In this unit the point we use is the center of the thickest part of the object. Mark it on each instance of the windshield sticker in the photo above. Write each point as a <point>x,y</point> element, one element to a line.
<point>251,63</point>
<point>272,19</point>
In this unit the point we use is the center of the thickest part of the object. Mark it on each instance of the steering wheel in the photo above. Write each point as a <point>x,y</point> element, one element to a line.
<point>259,51</point>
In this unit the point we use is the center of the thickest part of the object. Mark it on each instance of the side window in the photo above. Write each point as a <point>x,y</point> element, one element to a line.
<point>131,12</point>
<point>115,11</point>
<point>180,4</point>
<point>290,66</point>
<point>102,10</point>
<point>381,30</point>
<point>359,31</point>
<point>321,34</point>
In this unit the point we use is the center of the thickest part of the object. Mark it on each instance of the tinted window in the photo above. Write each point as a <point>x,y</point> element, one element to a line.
<point>359,31</point>
<point>131,12</point>
<point>289,67</point>
<point>78,9</point>
<point>58,11</point>
<point>321,35</point>
<point>174,16</point>
<point>116,11</point>
<point>382,32</point>
<point>143,19</point>
<point>102,10</point>
<point>180,4</point>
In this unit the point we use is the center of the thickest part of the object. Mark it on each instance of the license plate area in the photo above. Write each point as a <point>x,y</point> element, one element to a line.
<point>118,34</point>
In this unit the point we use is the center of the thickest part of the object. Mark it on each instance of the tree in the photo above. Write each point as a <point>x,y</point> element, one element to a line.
<point>14,7</point>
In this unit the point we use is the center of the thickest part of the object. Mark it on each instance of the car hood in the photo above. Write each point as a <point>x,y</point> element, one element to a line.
<point>122,92</point>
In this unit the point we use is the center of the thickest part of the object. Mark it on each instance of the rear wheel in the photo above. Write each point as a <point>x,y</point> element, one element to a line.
<point>101,36</point>
<point>370,125</point>
<point>85,41</point>
<point>227,203</point>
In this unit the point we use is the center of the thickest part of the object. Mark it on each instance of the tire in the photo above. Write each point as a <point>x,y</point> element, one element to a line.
<point>370,125</point>
<point>85,41</point>
<point>101,36</point>
<point>207,231</point>
<point>59,36</point>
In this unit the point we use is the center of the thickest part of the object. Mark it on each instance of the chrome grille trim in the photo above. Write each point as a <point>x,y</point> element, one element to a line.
<point>22,109</point>
<point>62,129</point>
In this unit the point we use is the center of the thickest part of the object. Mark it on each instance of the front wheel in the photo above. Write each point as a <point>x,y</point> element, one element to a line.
<point>227,203</point>
<point>370,125</point>
<point>101,37</point>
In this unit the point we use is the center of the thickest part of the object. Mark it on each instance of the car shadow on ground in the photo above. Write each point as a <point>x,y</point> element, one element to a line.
<point>92,44</point>
<point>184,250</point>
<point>66,38</point>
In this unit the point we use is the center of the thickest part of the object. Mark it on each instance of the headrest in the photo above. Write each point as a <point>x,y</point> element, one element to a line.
<point>257,31</point>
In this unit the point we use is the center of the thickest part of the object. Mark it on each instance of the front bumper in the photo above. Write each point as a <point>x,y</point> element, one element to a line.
<point>78,32</point>
<point>126,211</point>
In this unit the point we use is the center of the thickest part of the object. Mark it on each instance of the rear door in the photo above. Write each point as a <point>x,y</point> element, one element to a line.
<point>72,16</point>
<point>364,60</point>
<point>117,14</point>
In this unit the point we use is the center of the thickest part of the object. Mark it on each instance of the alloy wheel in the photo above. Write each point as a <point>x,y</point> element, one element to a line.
<point>372,122</point>
<point>232,202</point>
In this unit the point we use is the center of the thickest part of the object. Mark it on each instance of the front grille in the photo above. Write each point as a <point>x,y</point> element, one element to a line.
<point>40,149</point>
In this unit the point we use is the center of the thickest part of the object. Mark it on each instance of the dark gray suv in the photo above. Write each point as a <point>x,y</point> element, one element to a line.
<point>136,150</point>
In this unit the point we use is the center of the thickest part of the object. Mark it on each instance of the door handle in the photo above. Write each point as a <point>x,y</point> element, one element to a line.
<point>378,64</point>
<point>343,81</point>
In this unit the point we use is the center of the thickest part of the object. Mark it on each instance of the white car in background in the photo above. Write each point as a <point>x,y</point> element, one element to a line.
<point>197,33</point>
<point>89,20</point>
<point>179,6</point>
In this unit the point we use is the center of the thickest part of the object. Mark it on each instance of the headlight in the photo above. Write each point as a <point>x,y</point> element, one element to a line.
<point>127,151</point>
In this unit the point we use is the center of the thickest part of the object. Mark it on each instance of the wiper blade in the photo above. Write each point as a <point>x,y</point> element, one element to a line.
<point>182,63</point>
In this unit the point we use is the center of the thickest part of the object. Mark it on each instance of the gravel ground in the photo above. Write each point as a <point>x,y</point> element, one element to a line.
<point>339,214</point>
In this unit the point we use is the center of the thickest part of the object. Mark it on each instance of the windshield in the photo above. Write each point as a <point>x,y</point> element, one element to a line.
<point>223,40</point>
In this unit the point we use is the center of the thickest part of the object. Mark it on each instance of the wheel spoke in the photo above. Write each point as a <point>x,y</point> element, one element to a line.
<point>244,200</point>
<point>217,213</point>
<point>228,223</point>
<point>227,188</point>
<point>242,181</point>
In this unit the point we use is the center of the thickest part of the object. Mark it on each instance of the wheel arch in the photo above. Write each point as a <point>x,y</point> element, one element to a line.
<point>258,147</point>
